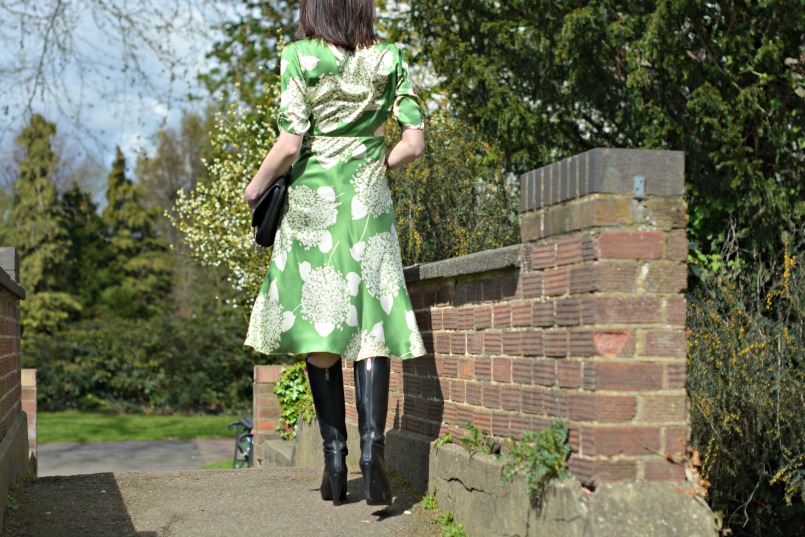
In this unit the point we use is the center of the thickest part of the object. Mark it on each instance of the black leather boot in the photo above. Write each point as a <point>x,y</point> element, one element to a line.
<point>372,401</point>
<point>327,387</point>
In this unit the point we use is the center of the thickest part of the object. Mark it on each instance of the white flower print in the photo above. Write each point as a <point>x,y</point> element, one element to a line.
<point>381,268</point>
<point>309,215</point>
<point>414,339</point>
<point>268,321</point>
<point>372,193</point>
<point>308,63</point>
<point>330,150</point>
<point>341,98</point>
<point>294,106</point>
<point>367,344</point>
<point>325,298</point>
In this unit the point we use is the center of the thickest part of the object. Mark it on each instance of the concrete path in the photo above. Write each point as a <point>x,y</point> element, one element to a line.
<point>209,503</point>
<point>130,456</point>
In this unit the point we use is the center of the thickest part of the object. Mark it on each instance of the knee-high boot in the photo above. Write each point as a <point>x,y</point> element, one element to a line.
<point>372,398</point>
<point>327,387</point>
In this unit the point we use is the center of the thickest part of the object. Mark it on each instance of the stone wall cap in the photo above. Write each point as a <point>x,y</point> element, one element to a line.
<point>28,377</point>
<point>13,287</point>
<point>604,171</point>
<point>488,260</point>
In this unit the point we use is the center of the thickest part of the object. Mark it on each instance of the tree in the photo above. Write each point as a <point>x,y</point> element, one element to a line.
<point>722,81</point>
<point>37,231</point>
<point>90,255</point>
<point>48,63</point>
<point>455,199</point>
<point>213,217</point>
<point>247,56</point>
<point>177,164</point>
<point>140,255</point>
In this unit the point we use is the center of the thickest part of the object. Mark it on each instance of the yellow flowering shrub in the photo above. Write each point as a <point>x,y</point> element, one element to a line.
<point>746,380</point>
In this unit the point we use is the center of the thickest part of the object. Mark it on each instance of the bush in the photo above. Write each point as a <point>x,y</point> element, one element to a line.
<point>456,199</point>
<point>164,364</point>
<point>295,399</point>
<point>747,390</point>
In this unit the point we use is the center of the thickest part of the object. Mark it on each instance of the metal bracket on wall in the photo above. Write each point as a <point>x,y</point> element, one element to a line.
<point>639,186</point>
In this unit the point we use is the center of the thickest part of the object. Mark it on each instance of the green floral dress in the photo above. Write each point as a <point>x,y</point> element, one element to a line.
<point>335,281</point>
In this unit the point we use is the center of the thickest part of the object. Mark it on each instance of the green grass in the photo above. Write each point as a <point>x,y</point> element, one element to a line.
<point>72,426</point>
<point>225,464</point>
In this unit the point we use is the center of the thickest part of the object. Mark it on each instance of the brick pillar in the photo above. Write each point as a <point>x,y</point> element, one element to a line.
<point>602,278</point>
<point>29,407</point>
<point>266,407</point>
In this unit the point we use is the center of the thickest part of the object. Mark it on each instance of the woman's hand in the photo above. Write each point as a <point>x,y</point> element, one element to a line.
<point>408,149</point>
<point>277,162</point>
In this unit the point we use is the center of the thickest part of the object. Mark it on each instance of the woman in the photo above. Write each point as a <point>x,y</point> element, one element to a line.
<point>335,286</point>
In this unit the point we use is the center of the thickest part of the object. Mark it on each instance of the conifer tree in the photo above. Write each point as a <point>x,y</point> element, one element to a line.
<point>38,233</point>
<point>90,253</point>
<point>141,261</point>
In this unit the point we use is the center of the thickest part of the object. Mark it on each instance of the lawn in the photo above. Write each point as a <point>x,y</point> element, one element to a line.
<point>72,426</point>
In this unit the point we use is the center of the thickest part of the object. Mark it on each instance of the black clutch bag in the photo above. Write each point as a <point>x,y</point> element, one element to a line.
<point>266,216</point>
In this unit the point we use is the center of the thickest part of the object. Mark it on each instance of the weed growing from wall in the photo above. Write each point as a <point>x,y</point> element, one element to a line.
<point>479,441</point>
<point>540,455</point>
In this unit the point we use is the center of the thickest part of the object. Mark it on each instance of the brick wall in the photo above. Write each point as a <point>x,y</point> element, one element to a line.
<point>266,408</point>
<point>584,321</point>
<point>10,357</point>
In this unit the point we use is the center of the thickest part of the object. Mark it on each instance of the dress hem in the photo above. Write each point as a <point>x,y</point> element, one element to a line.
<point>274,353</point>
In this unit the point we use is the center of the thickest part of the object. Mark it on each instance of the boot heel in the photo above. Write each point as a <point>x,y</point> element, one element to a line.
<point>338,485</point>
<point>376,485</point>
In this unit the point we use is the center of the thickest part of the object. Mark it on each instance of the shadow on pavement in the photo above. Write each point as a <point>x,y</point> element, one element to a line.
<point>405,497</point>
<point>86,505</point>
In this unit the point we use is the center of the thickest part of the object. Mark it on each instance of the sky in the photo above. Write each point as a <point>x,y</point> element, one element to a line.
<point>110,88</point>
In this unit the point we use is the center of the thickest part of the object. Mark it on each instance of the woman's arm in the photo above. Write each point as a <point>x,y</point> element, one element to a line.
<point>408,149</point>
<point>277,162</point>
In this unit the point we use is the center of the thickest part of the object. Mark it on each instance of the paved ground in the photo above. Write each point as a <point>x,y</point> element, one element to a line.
<point>131,456</point>
<point>214,503</point>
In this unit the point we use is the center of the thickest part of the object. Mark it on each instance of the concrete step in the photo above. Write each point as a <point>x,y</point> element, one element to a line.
<point>276,453</point>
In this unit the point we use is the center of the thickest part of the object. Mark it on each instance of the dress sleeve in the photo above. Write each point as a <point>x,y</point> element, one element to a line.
<point>406,108</point>
<point>294,116</point>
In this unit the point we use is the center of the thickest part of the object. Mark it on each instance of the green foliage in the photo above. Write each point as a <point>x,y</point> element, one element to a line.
<point>141,262</point>
<point>446,439</point>
<point>295,400</point>
<point>429,501</point>
<point>12,497</point>
<point>90,254</point>
<point>213,217</point>
<point>455,199</point>
<point>37,230</point>
<point>450,528</point>
<point>479,441</point>
<point>722,81</point>
<point>540,455</point>
<point>746,380</point>
<point>158,364</point>
<point>175,165</point>
<point>247,58</point>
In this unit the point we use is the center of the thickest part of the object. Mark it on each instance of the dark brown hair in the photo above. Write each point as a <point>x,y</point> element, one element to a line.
<point>346,23</point>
